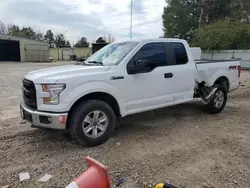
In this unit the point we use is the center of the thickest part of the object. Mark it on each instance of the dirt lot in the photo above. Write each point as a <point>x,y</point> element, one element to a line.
<point>181,145</point>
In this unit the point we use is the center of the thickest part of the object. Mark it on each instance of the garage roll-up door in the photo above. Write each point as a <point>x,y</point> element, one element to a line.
<point>36,52</point>
<point>9,50</point>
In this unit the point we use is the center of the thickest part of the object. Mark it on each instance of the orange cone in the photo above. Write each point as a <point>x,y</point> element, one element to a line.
<point>96,176</point>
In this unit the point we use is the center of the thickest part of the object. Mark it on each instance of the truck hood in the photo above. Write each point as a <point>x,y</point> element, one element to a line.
<point>52,75</point>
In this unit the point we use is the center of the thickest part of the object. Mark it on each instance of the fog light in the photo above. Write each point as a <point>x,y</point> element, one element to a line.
<point>45,119</point>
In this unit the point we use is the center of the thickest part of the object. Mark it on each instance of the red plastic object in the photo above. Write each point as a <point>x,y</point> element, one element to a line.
<point>96,176</point>
<point>239,70</point>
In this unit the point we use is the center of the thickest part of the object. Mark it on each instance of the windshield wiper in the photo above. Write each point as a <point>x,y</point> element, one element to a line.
<point>96,62</point>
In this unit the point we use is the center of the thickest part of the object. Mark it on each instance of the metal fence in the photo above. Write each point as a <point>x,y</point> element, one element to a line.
<point>243,55</point>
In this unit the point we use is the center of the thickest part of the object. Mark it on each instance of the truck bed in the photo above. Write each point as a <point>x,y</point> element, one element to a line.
<point>210,70</point>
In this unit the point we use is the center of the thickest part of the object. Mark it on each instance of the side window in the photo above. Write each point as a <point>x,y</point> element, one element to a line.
<point>154,53</point>
<point>180,53</point>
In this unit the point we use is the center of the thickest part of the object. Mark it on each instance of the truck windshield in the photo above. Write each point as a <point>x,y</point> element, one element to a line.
<point>111,54</point>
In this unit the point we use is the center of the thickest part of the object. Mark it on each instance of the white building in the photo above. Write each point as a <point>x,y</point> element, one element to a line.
<point>21,49</point>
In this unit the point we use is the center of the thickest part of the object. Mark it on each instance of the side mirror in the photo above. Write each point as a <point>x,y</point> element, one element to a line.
<point>139,66</point>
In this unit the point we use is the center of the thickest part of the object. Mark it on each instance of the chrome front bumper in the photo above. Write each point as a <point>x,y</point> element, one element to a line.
<point>47,120</point>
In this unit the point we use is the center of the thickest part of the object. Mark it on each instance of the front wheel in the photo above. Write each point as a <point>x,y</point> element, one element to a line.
<point>218,102</point>
<point>92,123</point>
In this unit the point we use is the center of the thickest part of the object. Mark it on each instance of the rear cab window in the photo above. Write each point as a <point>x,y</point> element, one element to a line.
<point>179,52</point>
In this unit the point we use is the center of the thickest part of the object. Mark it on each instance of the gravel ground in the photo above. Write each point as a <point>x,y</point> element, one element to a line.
<point>181,145</point>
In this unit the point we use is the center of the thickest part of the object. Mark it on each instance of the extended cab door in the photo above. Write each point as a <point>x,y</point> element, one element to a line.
<point>153,88</point>
<point>183,69</point>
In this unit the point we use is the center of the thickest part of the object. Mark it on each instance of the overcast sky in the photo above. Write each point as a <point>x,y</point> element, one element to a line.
<point>89,18</point>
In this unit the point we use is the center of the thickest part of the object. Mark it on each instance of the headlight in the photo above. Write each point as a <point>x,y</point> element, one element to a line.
<point>54,91</point>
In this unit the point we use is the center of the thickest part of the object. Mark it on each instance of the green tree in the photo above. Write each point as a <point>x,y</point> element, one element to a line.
<point>39,36</point>
<point>223,35</point>
<point>49,38</point>
<point>82,43</point>
<point>13,30</point>
<point>181,18</point>
<point>100,40</point>
<point>2,28</point>
<point>215,10</point>
<point>67,44</point>
<point>60,41</point>
<point>28,32</point>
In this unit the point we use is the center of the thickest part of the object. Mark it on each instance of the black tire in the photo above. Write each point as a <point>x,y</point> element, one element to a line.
<point>80,113</point>
<point>211,107</point>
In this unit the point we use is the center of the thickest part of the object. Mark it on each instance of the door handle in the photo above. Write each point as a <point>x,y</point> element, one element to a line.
<point>168,75</point>
<point>117,77</point>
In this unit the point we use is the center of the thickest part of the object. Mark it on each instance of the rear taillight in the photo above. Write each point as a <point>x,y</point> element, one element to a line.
<point>239,70</point>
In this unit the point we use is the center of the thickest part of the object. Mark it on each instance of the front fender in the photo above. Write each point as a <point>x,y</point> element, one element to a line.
<point>92,87</point>
<point>71,95</point>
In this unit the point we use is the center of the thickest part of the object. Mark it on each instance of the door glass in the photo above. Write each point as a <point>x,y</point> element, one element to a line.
<point>179,53</point>
<point>154,53</point>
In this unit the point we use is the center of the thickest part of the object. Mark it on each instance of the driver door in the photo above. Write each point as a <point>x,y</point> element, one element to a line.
<point>152,89</point>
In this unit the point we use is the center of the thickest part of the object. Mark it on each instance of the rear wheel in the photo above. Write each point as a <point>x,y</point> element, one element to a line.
<point>218,102</point>
<point>92,123</point>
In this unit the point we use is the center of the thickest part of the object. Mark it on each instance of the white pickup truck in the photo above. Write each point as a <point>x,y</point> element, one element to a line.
<point>123,78</point>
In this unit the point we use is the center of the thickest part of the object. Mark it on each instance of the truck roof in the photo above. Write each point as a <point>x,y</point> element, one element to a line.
<point>155,40</point>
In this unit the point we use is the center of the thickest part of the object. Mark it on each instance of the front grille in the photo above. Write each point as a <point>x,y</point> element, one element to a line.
<point>29,94</point>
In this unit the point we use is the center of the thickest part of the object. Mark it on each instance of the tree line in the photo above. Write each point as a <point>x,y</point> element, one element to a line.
<point>210,24</point>
<point>54,41</point>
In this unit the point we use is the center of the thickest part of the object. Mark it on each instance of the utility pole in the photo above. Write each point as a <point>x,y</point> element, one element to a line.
<point>201,15</point>
<point>131,18</point>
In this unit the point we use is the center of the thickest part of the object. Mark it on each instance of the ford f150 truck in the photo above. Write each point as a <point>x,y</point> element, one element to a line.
<point>123,78</point>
